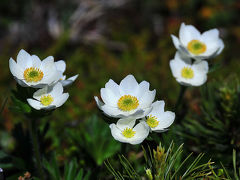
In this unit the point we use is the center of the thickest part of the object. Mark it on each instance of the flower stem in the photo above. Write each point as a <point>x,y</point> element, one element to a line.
<point>180,97</point>
<point>124,148</point>
<point>33,135</point>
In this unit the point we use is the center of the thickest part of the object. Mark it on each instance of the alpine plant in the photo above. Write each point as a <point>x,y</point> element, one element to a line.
<point>29,71</point>
<point>132,102</point>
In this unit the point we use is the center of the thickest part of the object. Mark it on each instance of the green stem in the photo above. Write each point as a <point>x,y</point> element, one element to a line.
<point>123,152</point>
<point>180,97</point>
<point>33,135</point>
<point>124,149</point>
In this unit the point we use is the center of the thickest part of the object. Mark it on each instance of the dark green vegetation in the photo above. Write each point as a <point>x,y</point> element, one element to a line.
<point>111,40</point>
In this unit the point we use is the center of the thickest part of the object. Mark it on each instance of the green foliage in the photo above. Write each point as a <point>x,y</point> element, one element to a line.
<point>167,164</point>
<point>3,163</point>
<point>95,139</point>
<point>72,170</point>
<point>215,126</point>
<point>131,173</point>
<point>19,100</point>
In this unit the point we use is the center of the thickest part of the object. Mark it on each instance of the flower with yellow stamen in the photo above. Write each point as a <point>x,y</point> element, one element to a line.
<point>49,97</point>
<point>200,46</point>
<point>158,119</point>
<point>33,74</point>
<point>30,71</point>
<point>152,121</point>
<point>196,47</point>
<point>129,98</point>
<point>188,73</point>
<point>46,100</point>
<point>126,131</point>
<point>128,103</point>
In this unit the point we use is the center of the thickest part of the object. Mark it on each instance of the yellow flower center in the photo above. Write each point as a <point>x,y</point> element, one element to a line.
<point>128,132</point>
<point>187,73</point>
<point>196,47</point>
<point>33,74</point>
<point>46,100</point>
<point>128,103</point>
<point>152,121</point>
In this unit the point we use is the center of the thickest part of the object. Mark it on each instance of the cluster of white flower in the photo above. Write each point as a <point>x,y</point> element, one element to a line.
<point>189,65</point>
<point>30,71</point>
<point>132,102</point>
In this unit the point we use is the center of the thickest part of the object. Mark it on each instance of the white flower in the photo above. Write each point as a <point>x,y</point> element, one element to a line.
<point>31,71</point>
<point>61,66</point>
<point>157,119</point>
<point>187,73</point>
<point>126,99</point>
<point>124,131</point>
<point>49,97</point>
<point>196,45</point>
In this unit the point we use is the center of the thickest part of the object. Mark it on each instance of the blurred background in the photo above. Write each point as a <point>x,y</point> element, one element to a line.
<point>103,39</point>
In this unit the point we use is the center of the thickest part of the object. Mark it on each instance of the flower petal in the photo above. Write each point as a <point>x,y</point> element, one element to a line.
<point>69,81</point>
<point>142,131</point>
<point>201,66</point>
<point>73,78</point>
<point>24,59</point>
<point>35,104</point>
<point>99,103</point>
<point>37,95</point>
<point>158,108</point>
<point>188,33</point>
<point>57,90</point>
<point>128,86</point>
<point>109,97</point>
<point>165,120</point>
<point>143,87</point>
<point>199,79</point>
<point>51,77</point>
<point>147,99</point>
<point>126,122</point>
<point>221,46</point>
<point>15,69</point>
<point>175,41</point>
<point>61,65</point>
<point>48,63</point>
<point>117,113</point>
<point>21,82</point>
<point>36,62</point>
<point>50,107</point>
<point>111,111</point>
<point>117,134</point>
<point>114,87</point>
<point>211,35</point>
<point>177,64</point>
<point>61,99</point>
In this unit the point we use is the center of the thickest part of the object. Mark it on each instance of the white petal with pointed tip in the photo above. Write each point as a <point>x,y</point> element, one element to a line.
<point>127,122</point>
<point>25,61</point>
<point>61,65</point>
<point>165,119</point>
<point>200,70</point>
<point>15,69</point>
<point>55,91</point>
<point>128,86</point>
<point>187,33</point>
<point>141,132</point>
<point>23,58</point>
